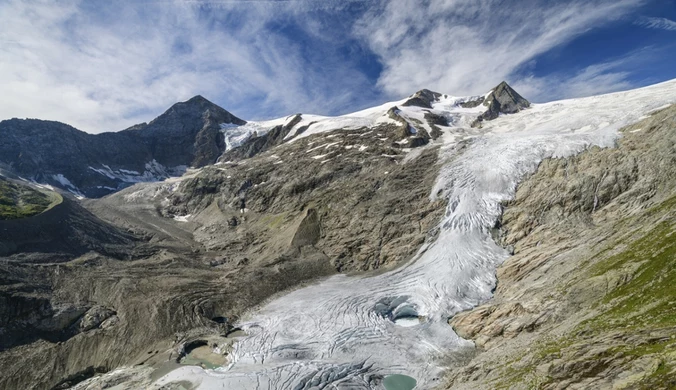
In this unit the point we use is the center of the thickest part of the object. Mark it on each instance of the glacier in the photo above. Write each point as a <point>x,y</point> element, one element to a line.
<point>351,331</point>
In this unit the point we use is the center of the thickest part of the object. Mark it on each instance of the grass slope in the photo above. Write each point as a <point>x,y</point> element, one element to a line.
<point>18,201</point>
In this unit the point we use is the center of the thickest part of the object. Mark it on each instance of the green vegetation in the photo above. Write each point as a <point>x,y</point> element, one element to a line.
<point>649,299</point>
<point>18,201</point>
<point>640,308</point>
<point>275,221</point>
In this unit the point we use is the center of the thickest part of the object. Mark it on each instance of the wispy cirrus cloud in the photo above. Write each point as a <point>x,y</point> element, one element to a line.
<point>656,23</point>
<point>105,66</point>
<point>468,46</point>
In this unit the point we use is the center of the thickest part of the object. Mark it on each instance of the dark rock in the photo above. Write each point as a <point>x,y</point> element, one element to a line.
<point>472,103</point>
<point>434,120</point>
<point>259,144</point>
<point>232,222</point>
<point>81,376</point>
<point>423,98</point>
<point>187,134</point>
<point>502,100</point>
<point>418,141</point>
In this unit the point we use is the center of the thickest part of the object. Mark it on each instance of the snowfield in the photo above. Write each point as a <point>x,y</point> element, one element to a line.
<point>345,331</point>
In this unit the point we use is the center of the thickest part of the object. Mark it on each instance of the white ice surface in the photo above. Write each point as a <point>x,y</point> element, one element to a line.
<point>340,332</point>
<point>154,171</point>
<point>235,135</point>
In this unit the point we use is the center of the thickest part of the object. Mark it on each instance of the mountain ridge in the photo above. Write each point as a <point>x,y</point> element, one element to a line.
<point>189,134</point>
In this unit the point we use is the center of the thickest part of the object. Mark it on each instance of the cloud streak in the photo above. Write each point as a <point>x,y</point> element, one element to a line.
<point>656,23</point>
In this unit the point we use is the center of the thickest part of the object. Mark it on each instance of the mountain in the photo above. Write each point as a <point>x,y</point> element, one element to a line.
<point>187,135</point>
<point>192,134</point>
<point>473,242</point>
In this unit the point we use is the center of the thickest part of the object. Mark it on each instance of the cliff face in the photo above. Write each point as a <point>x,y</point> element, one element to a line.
<point>587,300</point>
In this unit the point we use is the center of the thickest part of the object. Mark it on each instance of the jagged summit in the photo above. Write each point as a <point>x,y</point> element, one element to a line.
<point>422,98</point>
<point>509,100</point>
<point>502,99</point>
<point>195,108</point>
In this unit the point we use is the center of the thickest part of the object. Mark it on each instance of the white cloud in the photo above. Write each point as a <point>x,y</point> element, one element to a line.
<point>467,46</point>
<point>657,23</point>
<point>105,66</point>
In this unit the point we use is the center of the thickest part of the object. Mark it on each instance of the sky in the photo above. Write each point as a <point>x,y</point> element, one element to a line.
<point>106,65</point>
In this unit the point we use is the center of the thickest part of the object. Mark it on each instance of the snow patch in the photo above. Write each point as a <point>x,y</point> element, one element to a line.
<point>154,171</point>
<point>182,218</point>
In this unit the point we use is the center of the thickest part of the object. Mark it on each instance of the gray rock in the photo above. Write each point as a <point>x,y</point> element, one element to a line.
<point>423,98</point>
<point>187,134</point>
<point>94,317</point>
<point>502,100</point>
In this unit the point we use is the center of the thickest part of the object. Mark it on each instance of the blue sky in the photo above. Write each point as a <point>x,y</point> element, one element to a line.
<point>104,66</point>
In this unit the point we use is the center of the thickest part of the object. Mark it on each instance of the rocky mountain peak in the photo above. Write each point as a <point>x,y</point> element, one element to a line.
<point>187,134</point>
<point>502,99</point>
<point>423,98</point>
<point>509,100</point>
<point>194,109</point>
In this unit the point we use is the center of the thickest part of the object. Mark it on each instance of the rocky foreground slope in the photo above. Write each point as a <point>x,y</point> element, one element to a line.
<point>588,299</point>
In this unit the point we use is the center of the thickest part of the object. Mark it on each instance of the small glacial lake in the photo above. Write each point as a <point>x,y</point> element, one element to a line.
<point>399,382</point>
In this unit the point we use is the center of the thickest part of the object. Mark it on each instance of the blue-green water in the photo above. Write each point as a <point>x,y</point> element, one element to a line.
<point>399,382</point>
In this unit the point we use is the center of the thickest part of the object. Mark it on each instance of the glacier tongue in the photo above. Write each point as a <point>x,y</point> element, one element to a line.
<point>343,331</point>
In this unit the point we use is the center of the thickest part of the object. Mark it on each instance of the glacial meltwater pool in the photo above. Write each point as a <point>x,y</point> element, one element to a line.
<point>399,382</point>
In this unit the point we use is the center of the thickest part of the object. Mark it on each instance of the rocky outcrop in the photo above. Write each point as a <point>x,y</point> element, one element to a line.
<point>434,121</point>
<point>501,100</point>
<point>423,98</point>
<point>406,132</point>
<point>309,230</point>
<point>187,134</point>
<point>585,300</point>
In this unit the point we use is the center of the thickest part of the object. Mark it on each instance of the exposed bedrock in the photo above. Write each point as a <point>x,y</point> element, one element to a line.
<point>587,299</point>
<point>501,100</point>
<point>365,209</point>
<point>423,98</point>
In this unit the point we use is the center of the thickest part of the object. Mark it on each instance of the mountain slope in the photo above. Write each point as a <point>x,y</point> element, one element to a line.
<point>587,300</point>
<point>187,134</point>
<point>20,201</point>
<point>410,192</point>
